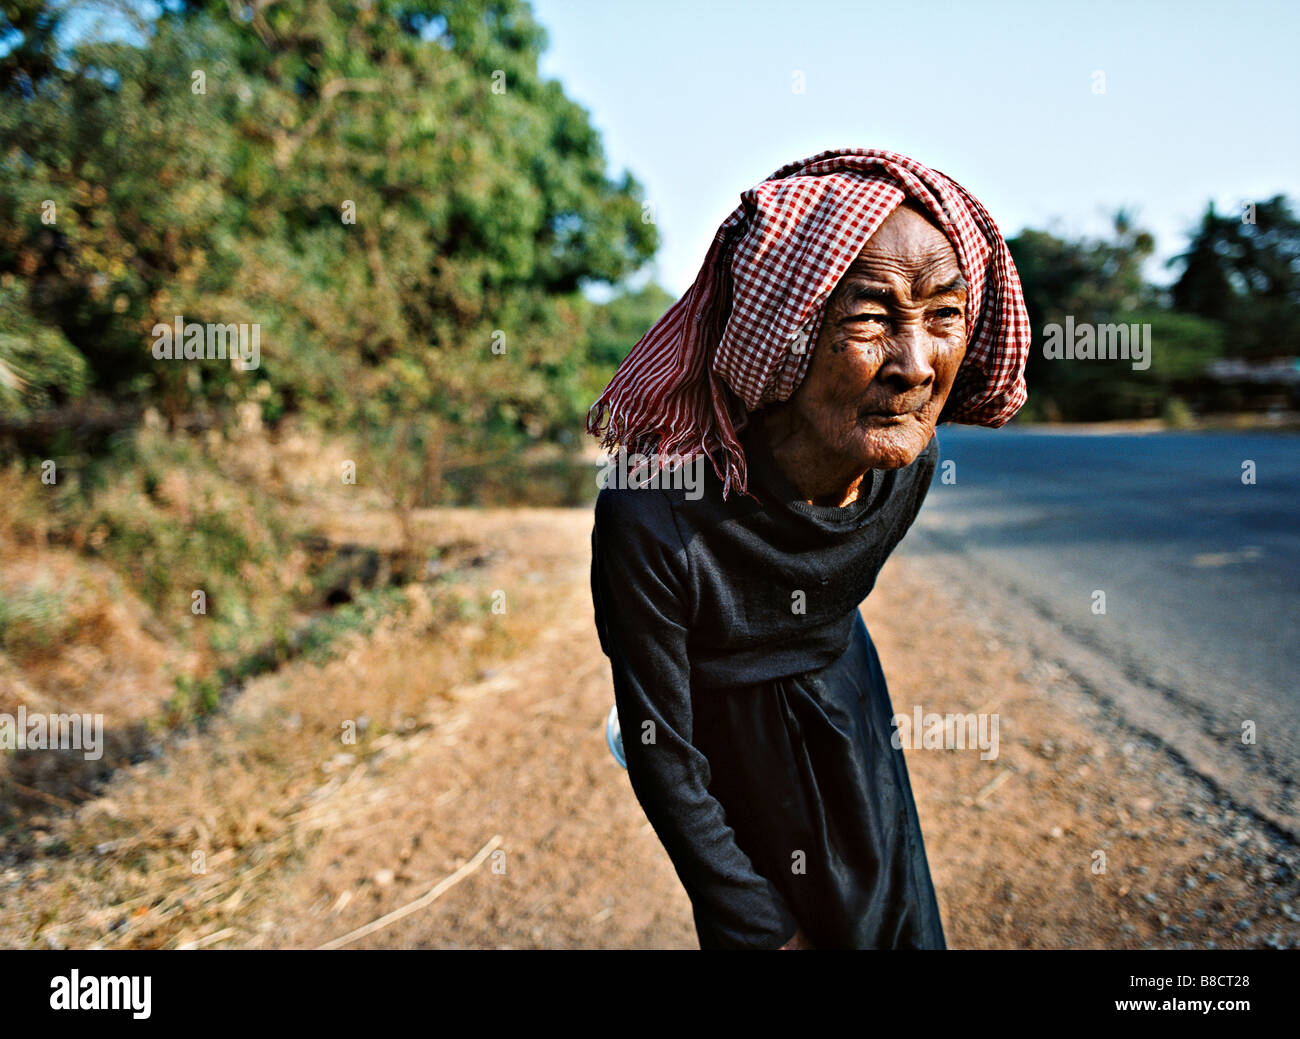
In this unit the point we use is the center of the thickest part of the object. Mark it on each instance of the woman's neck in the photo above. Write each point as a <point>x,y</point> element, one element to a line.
<point>819,475</point>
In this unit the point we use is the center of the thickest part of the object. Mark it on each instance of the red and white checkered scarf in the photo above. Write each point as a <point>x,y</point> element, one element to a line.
<point>742,335</point>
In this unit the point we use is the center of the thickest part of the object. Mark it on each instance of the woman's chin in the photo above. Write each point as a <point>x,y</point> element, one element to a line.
<point>893,445</point>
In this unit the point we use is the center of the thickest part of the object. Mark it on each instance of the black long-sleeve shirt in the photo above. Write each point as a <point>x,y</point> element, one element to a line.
<point>754,714</point>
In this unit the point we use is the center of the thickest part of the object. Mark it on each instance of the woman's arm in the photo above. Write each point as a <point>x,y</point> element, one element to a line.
<point>639,585</point>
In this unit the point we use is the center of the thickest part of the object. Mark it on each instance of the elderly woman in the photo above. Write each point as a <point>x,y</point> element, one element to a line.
<point>852,302</point>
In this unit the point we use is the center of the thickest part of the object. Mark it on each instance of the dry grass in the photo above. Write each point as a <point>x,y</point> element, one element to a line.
<point>98,571</point>
<point>178,848</point>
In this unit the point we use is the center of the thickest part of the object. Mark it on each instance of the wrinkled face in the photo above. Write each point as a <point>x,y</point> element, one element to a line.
<point>891,341</point>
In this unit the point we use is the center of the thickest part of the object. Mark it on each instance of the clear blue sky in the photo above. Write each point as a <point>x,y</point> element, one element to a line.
<point>695,98</point>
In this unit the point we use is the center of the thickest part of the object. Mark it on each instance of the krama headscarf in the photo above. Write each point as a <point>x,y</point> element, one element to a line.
<point>743,334</point>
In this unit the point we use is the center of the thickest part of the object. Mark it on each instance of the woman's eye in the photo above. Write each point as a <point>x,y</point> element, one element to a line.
<point>882,318</point>
<point>947,312</point>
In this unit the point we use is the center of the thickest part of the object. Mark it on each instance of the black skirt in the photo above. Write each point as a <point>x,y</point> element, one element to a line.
<point>819,799</point>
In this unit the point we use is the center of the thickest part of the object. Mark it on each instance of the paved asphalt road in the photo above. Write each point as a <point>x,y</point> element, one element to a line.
<point>1201,572</point>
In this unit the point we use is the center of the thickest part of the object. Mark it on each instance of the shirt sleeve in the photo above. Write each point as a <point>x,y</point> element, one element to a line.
<point>639,583</point>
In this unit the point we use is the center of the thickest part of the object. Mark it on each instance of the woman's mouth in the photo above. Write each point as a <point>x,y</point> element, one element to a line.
<point>887,416</point>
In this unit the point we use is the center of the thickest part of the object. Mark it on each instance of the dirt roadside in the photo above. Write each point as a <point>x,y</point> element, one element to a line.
<point>516,752</point>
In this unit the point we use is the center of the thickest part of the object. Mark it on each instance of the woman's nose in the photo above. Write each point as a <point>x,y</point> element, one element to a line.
<point>907,362</point>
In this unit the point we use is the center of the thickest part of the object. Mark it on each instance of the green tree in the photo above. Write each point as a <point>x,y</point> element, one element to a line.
<point>391,192</point>
<point>1245,274</point>
<point>1091,280</point>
